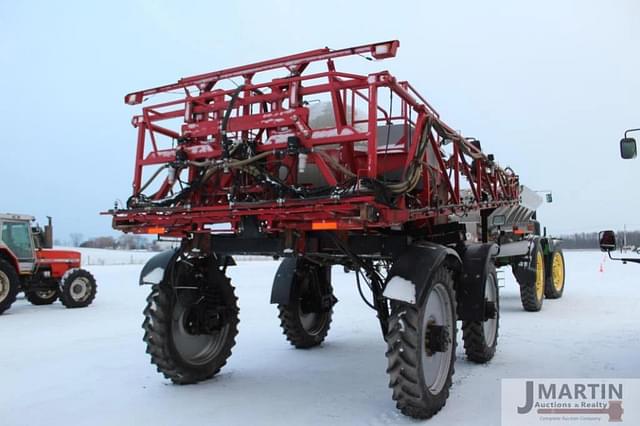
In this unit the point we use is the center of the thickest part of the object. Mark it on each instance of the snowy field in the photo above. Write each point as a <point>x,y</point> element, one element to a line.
<point>88,366</point>
<point>94,256</point>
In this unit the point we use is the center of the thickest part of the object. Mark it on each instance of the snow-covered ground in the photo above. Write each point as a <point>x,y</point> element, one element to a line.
<point>88,366</point>
<point>95,256</point>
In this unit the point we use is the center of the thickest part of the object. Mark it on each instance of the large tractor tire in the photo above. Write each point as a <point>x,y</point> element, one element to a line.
<point>42,297</point>
<point>481,337</point>
<point>555,275</point>
<point>190,332</point>
<point>532,280</point>
<point>422,348</point>
<point>306,319</point>
<point>9,285</point>
<point>78,288</point>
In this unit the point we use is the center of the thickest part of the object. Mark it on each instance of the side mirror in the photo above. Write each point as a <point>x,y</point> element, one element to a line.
<point>549,197</point>
<point>628,148</point>
<point>36,232</point>
<point>607,240</point>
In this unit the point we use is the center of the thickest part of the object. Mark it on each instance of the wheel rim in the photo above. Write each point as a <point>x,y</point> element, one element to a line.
<point>45,294</point>
<point>438,312</point>
<point>80,289</point>
<point>312,322</point>
<point>490,326</point>
<point>557,271</point>
<point>195,349</point>
<point>539,276</point>
<point>5,285</point>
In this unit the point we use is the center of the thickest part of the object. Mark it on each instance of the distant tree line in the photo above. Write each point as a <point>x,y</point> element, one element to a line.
<point>589,240</point>
<point>123,242</point>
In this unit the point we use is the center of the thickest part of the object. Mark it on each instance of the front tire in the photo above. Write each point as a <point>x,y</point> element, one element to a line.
<point>481,337</point>
<point>78,288</point>
<point>9,285</point>
<point>421,348</point>
<point>190,332</point>
<point>306,319</point>
<point>42,297</point>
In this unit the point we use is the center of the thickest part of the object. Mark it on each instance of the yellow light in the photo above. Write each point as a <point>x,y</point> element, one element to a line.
<point>324,226</point>
<point>155,230</point>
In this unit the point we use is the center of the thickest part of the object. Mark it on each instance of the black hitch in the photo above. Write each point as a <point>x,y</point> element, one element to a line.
<point>437,339</point>
<point>327,302</point>
<point>315,304</point>
<point>203,320</point>
<point>490,310</point>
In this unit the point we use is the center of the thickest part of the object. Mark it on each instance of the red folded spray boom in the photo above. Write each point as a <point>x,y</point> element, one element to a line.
<point>379,157</point>
<point>323,167</point>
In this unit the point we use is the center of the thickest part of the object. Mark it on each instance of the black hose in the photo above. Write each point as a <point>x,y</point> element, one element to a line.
<point>227,113</point>
<point>364,299</point>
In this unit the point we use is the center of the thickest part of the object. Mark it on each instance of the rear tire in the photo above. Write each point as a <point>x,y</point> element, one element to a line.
<point>304,320</point>
<point>555,275</point>
<point>182,353</point>
<point>481,337</point>
<point>78,288</point>
<point>9,285</point>
<point>422,348</point>
<point>42,297</point>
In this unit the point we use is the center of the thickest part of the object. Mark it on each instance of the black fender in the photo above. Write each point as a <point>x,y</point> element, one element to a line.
<point>471,282</point>
<point>284,280</point>
<point>524,267</point>
<point>155,270</point>
<point>418,263</point>
<point>550,245</point>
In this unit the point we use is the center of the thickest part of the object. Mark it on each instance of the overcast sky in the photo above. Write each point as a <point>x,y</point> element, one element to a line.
<point>548,86</point>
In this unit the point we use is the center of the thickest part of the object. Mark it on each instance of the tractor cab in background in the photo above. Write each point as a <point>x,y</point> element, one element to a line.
<point>29,263</point>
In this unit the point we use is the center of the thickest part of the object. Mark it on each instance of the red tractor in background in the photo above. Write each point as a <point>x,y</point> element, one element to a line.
<point>28,263</point>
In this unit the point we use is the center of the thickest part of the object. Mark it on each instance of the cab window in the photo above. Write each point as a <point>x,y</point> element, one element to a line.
<point>18,238</point>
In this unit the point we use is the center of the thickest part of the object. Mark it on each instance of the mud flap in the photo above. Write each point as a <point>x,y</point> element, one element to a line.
<point>154,271</point>
<point>527,273</point>
<point>470,286</point>
<point>285,277</point>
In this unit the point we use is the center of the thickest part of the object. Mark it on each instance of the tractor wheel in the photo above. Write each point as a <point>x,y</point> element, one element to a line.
<point>306,319</point>
<point>78,288</point>
<point>422,348</point>
<point>9,284</point>
<point>532,283</point>
<point>555,275</point>
<point>481,337</point>
<point>42,297</point>
<point>190,332</point>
